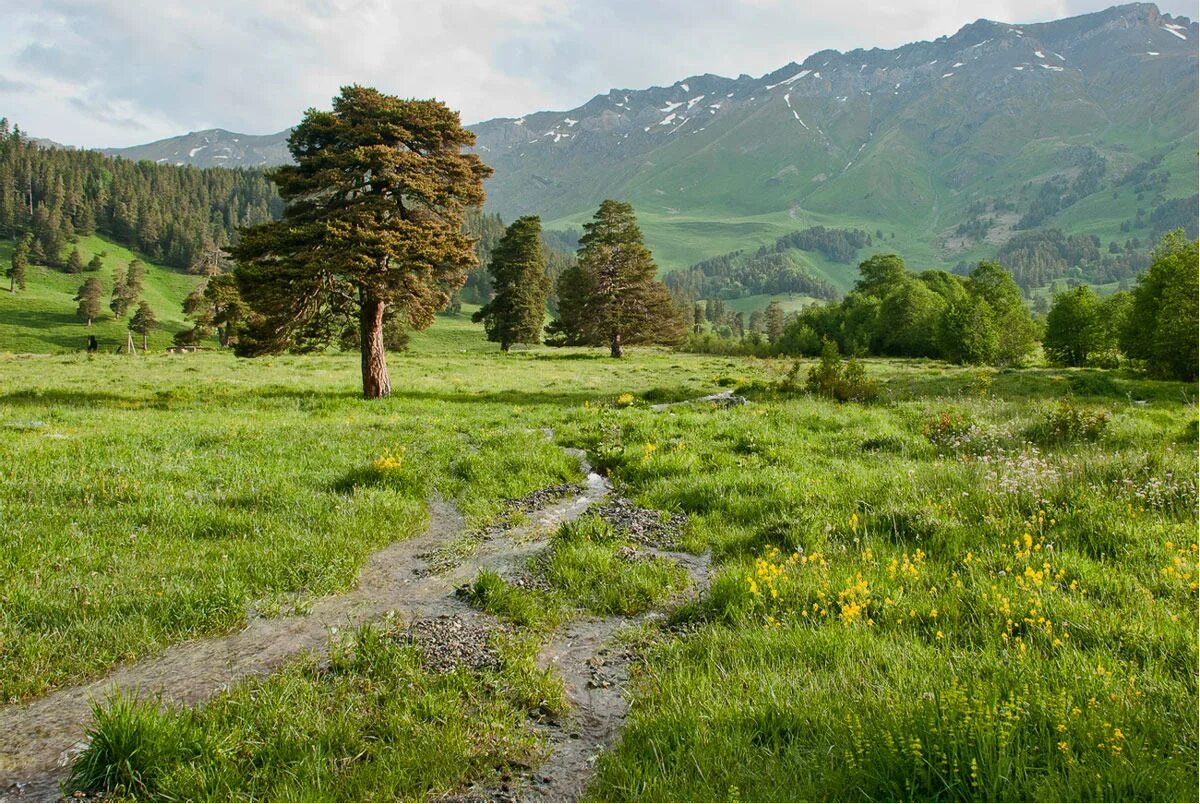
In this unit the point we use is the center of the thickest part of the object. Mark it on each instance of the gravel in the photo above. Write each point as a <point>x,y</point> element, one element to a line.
<point>541,498</point>
<point>645,525</point>
<point>449,642</point>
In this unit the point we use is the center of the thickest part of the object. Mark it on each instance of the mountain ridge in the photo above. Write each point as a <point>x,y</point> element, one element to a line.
<point>951,145</point>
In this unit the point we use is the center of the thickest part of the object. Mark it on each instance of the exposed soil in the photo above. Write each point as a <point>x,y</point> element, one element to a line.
<point>39,740</point>
<point>595,671</point>
<point>449,642</point>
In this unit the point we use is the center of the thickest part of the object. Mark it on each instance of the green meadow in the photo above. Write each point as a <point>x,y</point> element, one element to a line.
<point>969,589</point>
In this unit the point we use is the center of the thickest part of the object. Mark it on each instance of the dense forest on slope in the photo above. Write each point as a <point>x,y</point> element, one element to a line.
<point>174,215</point>
<point>771,269</point>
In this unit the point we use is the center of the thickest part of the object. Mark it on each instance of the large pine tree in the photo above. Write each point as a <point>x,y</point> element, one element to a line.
<point>517,309</point>
<point>372,228</point>
<point>611,296</point>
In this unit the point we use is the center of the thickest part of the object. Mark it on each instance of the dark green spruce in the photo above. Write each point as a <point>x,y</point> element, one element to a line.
<point>517,309</point>
<point>611,297</point>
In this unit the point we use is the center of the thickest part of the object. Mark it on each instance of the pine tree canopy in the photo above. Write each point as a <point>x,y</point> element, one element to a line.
<point>611,296</point>
<point>372,227</point>
<point>517,309</point>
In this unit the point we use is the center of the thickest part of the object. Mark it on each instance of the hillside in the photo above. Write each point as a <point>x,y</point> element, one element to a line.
<point>916,141</point>
<point>42,317</point>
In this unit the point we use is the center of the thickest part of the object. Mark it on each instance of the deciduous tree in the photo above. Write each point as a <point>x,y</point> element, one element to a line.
<point>1074,330</point>
<point>1161,324</point>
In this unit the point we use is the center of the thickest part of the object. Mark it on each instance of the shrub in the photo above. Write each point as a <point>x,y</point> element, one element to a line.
<point>1068,422</point>
<point>844,381</point>
<point>957,433</point>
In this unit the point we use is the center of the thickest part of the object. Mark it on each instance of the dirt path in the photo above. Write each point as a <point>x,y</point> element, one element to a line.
<point>595,672</point>
<point>39,740</point>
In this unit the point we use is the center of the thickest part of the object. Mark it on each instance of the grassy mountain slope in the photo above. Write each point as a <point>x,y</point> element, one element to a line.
<point>909,140</point>
<point>42,318</point>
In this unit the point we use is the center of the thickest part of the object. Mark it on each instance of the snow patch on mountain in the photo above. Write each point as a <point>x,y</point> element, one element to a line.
<point>795,77</point>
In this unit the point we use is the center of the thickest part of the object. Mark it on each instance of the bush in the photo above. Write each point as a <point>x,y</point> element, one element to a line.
<point>844,381</point>
<point>1068,423</point>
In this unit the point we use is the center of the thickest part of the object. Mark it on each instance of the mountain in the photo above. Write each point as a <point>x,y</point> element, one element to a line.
<point>215,147</point>
<point>962,132</point>
<point>943,151</point>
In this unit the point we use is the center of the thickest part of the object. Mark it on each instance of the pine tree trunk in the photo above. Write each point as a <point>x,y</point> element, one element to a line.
<point>222,337</point>
<point>145,341</point>
<point>376,383</point>
<point>616,344</point>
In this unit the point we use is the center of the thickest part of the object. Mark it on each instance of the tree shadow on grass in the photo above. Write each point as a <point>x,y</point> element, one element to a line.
<point>305,399</point>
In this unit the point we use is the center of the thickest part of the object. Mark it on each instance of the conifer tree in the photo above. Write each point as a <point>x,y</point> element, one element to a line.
<point>715,310</point>
<point>89,299</point>
<point>18,270</point>
<point>372,229</point>
<point>517,309</point>
<point>119,304</point>
<point>143,322</point>
<point>611,296</point>
<point>134,278</point>
<point>774,322</point>
<point>75,262</point>
<point>95,263</point>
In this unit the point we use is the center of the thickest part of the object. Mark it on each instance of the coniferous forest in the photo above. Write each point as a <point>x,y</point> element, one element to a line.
<point>174,215</point>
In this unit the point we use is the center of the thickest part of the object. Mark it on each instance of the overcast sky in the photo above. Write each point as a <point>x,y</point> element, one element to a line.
<point>122,72</point>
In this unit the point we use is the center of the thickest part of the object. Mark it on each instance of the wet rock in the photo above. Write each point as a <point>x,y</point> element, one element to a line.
<point>541,498</point>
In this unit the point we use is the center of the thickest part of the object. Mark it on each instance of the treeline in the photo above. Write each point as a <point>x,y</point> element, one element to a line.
<point>839,245</point>
<point>1155,324</point>
<point>1060,192</point>
<point>179,216</point>
<point>1039,258</point>
<point>981,318</point>
<point>731,276</point>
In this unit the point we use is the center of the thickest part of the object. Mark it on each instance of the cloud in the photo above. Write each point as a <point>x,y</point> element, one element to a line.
<point>117,72</point>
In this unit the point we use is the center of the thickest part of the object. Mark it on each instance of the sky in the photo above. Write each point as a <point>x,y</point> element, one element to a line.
<point>98,73</point>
